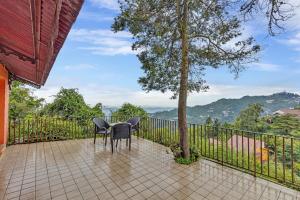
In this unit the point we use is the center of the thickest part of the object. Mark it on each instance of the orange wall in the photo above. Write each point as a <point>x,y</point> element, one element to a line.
<point>4,93</point>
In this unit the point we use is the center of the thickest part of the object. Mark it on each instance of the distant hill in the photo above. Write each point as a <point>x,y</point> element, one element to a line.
<point>226,110</point>
<point>149,109</point>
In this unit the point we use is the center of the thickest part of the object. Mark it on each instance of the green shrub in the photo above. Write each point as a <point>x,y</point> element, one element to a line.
<point>177,152</point>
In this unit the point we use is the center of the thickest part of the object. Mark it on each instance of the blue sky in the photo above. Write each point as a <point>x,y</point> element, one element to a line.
<point>104,69</point>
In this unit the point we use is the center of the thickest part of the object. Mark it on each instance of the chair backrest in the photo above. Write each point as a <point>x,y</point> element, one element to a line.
<point>134,121</point>
<point>121,131</point>
<point>100,123</point>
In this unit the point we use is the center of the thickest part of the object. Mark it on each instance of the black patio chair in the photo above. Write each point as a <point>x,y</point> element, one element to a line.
<point>118,132</point>
<point>134,123</point>
<point>101,127</point>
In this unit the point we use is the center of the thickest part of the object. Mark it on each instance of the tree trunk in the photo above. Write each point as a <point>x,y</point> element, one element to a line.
<point>183,88</point>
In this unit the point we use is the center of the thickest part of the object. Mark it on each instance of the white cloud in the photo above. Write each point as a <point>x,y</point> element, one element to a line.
<point>103,41</point>
<point>108,4</point>
<point>265,67</point>
<point>294,40</point>
<point>117,95</point>
<point>293,26</point>
<point>79,67</point>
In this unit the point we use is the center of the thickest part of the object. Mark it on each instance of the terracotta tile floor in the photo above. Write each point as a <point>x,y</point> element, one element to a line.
<point>78,169</point>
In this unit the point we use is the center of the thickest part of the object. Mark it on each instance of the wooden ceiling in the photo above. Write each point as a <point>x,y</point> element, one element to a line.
<point>31,34</point>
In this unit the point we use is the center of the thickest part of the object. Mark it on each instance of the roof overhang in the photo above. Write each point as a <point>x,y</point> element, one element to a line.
<point>32,32</point>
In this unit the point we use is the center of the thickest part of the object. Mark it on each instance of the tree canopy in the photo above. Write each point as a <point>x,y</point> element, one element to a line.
<point>248,119</point>
<point>129,110</point>
<point>213,39</point>
<point>22,102</point>
<point>69,104</point>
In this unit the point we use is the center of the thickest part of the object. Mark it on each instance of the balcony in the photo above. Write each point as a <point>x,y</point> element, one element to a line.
<point>70,166</point>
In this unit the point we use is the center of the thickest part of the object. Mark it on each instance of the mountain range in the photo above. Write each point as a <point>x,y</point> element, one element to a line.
<point>226,110</point>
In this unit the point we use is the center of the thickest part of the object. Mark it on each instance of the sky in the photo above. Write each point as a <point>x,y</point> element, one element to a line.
<point>103,67</point>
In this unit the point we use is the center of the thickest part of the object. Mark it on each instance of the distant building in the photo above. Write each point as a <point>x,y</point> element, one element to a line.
<point>294,112</point>
<point>245,143</point>
<point>248,145</point>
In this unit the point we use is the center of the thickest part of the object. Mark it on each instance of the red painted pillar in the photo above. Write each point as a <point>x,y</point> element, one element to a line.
<point>4,93</point>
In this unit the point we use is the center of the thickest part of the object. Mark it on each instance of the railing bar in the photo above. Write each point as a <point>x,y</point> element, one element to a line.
<point>243,150</point>
<point>292,159</point>
<point>28,125</point>
<point>275,149</point>
<point>222,145</point>
<point>217,129</point>
<point>46,130</point>
<point>231,138</point>
<point>212,134</point>
<point>261,155</point>
<point>197,132</point>
<point>237,148</point>
<point>19,138</point>
<point>226,136</point>
<point>208,140</point>
<point>194,134</point>
<point>14,132</point>
<point>268,141</point>
<point>205,140</point>
<point>41,128</point>
<point>283,158</point>
<point>201,138</point>
<point>248,151</point>
<point>254,148</point>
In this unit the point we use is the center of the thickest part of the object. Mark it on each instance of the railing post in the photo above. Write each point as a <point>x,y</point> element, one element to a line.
<point>292,160</point>
<point>194,135</point>
<point>283,158</point>
<point>254,155</point>
<point>275,149</point>
<point>14,142</point>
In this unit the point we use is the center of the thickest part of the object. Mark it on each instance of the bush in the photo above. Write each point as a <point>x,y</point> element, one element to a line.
<point>177,152</point>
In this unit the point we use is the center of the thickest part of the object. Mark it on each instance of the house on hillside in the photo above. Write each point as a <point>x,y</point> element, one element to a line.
<point>239,142</point>
<point>294,112</point>
<point>246,144</point>
<point>243,144</point>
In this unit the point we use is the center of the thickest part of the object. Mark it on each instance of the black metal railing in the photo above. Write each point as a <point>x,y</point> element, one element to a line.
<point>270,156</point>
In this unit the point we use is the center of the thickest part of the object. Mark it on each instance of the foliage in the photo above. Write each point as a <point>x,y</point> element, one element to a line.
<point>248,119</point>
<point>37,129</point>
<point>209,121</point>
<point>155,26</point>
<point>130,110</point>
<point>277,12</point>
<point>178,157</point>
<point>69,104</point>
<point>285,124</point>
<point>22,103</point>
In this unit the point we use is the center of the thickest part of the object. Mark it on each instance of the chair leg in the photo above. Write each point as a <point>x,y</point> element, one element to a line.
<point>112,146</point>
<point>105,139</point>
<point>117,143</point>
<point>129,143</point>
<point>95,138</point>
<point>126,142</point>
